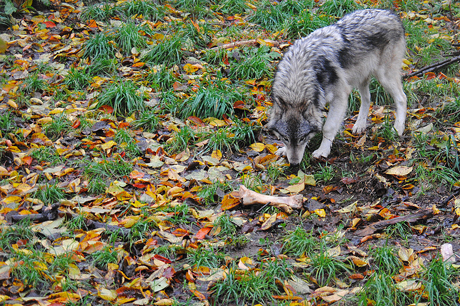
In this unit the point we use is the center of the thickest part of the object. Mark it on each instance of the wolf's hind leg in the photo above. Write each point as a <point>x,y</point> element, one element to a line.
<point>391,81</point>
<point>361,122</point>
<point>335,116</point>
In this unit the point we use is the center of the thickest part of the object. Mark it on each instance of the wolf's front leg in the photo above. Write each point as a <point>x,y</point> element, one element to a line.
<point>337,110</point>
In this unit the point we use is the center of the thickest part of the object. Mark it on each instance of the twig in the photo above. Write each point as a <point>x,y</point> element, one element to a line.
<point>370,229</point>
<point>456,193</point>
<point>433,67</point>
<point>242,43</point>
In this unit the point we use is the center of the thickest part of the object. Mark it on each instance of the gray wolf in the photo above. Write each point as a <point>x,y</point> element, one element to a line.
<point>324,67</point>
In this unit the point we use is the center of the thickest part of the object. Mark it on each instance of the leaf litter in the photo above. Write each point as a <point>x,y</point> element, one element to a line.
<point>123,149</point>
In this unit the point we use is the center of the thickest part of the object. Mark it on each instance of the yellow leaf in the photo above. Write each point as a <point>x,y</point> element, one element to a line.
<point>189,68</point>
<point>3,171</point>
<point>296,188</point>
<point>106,294</point>
<point>245,263</point>
<point>3,45</point>
<point>271,148</point>
<point>268,223</point>
<point>130,221</point>
<point>399,171</point>
<point>320,212</point>
<point>258,146</point>
<point>405,254</point>
<point>108,144</point>
<point>436,211</point>
<point>334,252</point>
<point>11,199</point>
<point>217,154</point>
<point>358,261</point>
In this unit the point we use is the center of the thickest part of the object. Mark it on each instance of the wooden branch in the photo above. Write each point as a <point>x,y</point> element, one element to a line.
<point>47,213</point>
<point>370,229</point>
<point>433,67</point>
<point>287,204</point>
<point>244,43</point>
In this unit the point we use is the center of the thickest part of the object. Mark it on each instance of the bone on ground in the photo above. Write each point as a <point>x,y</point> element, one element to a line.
<point>249,197</point>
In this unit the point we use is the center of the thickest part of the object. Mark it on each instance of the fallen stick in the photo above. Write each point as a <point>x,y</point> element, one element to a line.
<point>433,67</point>
<point>370,229</point>
<point>244,43</point>
<point>287,204</point>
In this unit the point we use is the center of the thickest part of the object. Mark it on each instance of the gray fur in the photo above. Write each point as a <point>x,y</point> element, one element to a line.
<point>324,67</point>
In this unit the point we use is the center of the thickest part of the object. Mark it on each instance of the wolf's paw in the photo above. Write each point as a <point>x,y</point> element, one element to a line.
<point>321,153</point>
<point>359,127</point>
<point>281,151</point>
<point>399,128</point>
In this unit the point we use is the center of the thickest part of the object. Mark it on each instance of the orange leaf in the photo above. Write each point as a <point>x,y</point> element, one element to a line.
<point>229,202</point>
<point>49,24</point>
<point>356,276</point>
<point>196,120</point>
<point>106,108</point>
<point>202,233</point>
<point>27,160</point>
<point>92,24</point>
<point>139,64</point>
<point>76,124</point>
<point>136,174</point>
<point>430,75</point>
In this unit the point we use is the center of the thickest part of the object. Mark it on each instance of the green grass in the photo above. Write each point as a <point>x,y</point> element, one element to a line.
<point>387,131</point>
<point>167,51</point>
<point>127,144</point>
<point>299,241</point>
<point>255,63</point>
<point>199,36</point>
<point>386,259</point>
<point>128,36</point>
<point>208,193</point>
<point>114,169</point>
<point>161,79</point>
<point>10,235</point>
<point>232,7</point>
<point>227,227</point>
<point>326,268</point>
<point>47,155</point>
<point>245,288</point>
<point>102,258</point>
<point>252,181</point>
<point>147,9</point>
<point>438,279</point>
<point>211,101</point>
<point>229,139</point>
<point>178,214</point>
<point>33,83</point>
<point>99,12</point>
<point>123,97</point>
<point>98,47</point>
<point>148,120</point>
<point>58,127</point>
<point>381,290</point>
<point>77,79</point>
<point>49,194</point>
<point>7,123</point>
<point>180,140</point>
<point>103,67</point>
<point>325,173</point>
<point>339,8</point>
<point>196,8</point>
<point>203,257</point>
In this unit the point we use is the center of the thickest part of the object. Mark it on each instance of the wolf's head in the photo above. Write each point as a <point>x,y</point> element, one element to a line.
<point>295,125</point>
